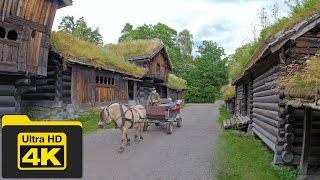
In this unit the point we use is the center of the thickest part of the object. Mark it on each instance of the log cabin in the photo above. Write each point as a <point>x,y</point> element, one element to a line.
<point>96,77</point>
<point>25,28</point>
<point>152,56</point>
<point>285,117</point>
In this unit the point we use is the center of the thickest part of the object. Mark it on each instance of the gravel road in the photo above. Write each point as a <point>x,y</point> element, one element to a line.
<point>183,155</point>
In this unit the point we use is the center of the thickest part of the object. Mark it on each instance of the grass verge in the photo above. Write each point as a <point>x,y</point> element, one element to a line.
<point>90,122</point>
<point>245,158</point>
<point>224,115</point>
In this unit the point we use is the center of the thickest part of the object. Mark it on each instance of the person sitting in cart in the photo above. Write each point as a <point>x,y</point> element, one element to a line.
<point>154,98</point>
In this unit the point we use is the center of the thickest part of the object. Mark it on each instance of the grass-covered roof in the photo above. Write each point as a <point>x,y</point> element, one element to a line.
<point>298,14</point>
<point>304,84</point>
<point>110,57</point>
<point>136,48</point>
<point>228,92</point>
<point>175,82</point>
<point>73,48</point>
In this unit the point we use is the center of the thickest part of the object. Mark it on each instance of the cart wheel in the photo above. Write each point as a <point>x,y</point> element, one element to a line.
<point>179,122</point>
<point>169,128</point>
<point>145,127</point>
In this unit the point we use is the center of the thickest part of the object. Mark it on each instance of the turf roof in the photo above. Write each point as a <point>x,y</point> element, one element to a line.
<point>308,9</point>
<point>175,82</point>
<point>110,57</point>
<point>77,50</point>
<point>136,48</point>
<point>304,84</point>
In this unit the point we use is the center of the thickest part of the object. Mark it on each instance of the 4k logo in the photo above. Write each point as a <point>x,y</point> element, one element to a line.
<point>42,151</point>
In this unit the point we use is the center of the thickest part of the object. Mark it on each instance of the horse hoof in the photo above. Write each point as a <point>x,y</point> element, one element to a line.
<point>141,138</point>
<point>121,149</point>
<point>128,143</point>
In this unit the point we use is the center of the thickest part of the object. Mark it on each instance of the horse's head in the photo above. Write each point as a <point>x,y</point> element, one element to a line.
<point>104,118</point>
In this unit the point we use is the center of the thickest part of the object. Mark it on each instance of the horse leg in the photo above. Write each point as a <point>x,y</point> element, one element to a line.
<point>136,135</point>
<point>128,140</point>
<point>141,126</point>
<point>123,138</point>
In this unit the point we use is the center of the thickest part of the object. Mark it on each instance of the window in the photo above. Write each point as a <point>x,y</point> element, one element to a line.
<point>112,82</point>
<point>105,80</point>
<point>2,32</point>
<point>101,80</point>
<point>12,35</point>
<point>33,34</point>
<point>97,79</point>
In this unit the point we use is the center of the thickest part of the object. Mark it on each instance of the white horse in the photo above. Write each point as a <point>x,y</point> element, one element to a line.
<point>124,118</point>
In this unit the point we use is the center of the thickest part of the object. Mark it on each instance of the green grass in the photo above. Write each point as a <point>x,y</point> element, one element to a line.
<point>175,82</point>
<point>224,115</point>
<point>242,157</point>
<point>90,122</point>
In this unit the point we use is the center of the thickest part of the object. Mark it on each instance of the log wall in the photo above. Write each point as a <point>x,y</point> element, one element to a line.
<point>52,93</point>
<point>268,122</point>
<point>239,99</point>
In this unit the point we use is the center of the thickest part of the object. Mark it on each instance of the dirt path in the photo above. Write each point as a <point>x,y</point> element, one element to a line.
<point>183,155</point>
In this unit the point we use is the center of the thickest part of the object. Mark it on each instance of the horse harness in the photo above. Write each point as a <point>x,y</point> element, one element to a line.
<point>122,116</point>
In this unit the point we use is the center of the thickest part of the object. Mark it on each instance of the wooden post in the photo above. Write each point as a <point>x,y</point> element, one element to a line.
<point>307,128</point>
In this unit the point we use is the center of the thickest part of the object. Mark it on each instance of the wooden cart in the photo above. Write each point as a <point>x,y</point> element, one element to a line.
<point>164,115</point>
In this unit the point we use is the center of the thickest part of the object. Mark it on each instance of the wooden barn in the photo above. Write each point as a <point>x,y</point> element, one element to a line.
<point>79,82</point>
<point>284,116</point>
<point>25,28</point>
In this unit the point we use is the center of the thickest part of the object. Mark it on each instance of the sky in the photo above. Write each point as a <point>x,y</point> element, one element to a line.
<point>228,22</point>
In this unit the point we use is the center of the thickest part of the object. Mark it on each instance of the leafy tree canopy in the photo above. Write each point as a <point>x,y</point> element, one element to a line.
<point>208,74</point>
<point>80,29</point>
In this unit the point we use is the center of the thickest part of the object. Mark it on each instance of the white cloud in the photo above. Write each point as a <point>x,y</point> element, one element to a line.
<point>227,22</point>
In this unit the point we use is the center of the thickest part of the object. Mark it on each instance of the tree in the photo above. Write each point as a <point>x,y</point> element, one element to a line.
<point>80,29</point>
<point>185,41</point>
<point>67,24</point>
<point>209,73</point>
<point>127,28</point>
